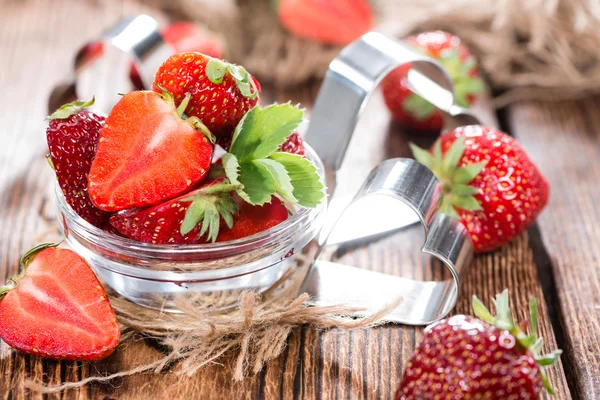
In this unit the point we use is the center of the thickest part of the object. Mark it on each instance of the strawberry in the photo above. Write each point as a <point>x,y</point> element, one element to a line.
<point>56,308</point>
<point>469,358</point>
<point>254,219</point>
<point>412,110</point>
<point>147,153</point>
<point>293,144</point>
<point>336,22</point>
<point>489,183</point>
<point>72,136</point>
<point>183,36</point>
<point>177,221</point>
<point>221,92</point>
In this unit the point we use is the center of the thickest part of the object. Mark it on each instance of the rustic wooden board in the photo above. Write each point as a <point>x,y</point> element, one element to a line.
<point>37,41</point>
<point>564,139</point>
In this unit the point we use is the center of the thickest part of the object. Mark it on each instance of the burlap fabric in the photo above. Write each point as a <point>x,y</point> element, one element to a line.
<point>527,48</point>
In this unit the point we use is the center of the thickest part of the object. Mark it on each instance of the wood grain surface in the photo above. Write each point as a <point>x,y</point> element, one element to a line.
<point>557,261</point>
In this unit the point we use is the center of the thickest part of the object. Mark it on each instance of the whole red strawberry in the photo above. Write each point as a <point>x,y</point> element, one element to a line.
<point>337,22</point>
<point>192,218</point>
<point>221,92</point>
<point>147,153</point>
<point>254,219</point>
<point>413,111</point>
<point>183,36</point>
<point>56,308</point>
<point>72,136</point>
<point>489,183</point>
<point>468,358</point>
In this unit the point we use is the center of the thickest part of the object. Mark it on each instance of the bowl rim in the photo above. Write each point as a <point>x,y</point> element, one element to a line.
<point>105,239</point>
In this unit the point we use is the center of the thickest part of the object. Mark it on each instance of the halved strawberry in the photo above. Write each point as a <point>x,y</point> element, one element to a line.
<point>57,308</point>
<point>221,92</point>
<point>186,219</point>
<point>147,153</point>
<point>254,219</point>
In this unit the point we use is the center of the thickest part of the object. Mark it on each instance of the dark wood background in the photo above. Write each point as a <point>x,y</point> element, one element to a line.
<point>557,260</point>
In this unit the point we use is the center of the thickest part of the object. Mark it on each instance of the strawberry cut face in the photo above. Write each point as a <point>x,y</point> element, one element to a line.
<point>146,154</point>
<point>58,309</point>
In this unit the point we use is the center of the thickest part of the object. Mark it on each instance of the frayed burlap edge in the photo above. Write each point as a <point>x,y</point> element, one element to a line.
<point>256,331</point>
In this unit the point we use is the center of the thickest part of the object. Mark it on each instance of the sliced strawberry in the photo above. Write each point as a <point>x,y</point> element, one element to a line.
<point>192,218</point>
<point>72,137</point>
<point>57,308</point>
<point>254,219</point>
<point>147,153</point>
<point>221,92</point>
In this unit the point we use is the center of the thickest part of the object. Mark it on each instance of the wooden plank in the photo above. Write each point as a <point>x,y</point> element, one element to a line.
<point>330,364</point>
<point>564,140</point>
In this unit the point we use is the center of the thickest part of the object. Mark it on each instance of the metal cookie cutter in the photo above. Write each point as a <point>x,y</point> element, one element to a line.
<point>103,67</point>
<point>351,79</point>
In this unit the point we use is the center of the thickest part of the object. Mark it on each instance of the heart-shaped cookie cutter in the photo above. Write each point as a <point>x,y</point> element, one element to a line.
<point>103,67</point>
<point>352,77</point>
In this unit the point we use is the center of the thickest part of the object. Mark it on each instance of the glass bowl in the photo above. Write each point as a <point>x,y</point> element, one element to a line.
<point>209,276</point>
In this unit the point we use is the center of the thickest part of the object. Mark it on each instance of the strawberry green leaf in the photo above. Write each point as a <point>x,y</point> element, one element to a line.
<point>453,155</point>
<point>210,223</point>
<point>533,315</point>
<point>464,190</point>
<point>193,216</point>
<point>283,183</point>
<point>308,188</point>
<point>467,66</point>
<point>231,166</point>
<point>549,359</point>
<point>207,207</point>
<point>421,155</point>
<point>418,107</point>
<point>66,110</point>
<point>238,73</point>
<point>263,130</point>
<point>468,203</point>
<point>481,311</point>
<point>546,383</point>
<point>467,173</point>
<point>215,70</point>
<point>258,183</point>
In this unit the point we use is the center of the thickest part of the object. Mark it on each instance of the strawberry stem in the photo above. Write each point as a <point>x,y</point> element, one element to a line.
<point>183,105</point>
<point>66,110</point>
<point>455,180</point>
<point>24,262</point>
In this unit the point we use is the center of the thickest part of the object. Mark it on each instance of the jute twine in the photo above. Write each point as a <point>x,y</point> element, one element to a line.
<point>255,331</point>
<point>528,48</point>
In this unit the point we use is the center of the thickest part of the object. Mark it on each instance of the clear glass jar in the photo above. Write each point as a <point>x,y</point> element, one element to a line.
<point>208,276</point>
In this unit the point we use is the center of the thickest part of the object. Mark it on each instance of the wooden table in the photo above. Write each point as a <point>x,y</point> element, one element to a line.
<point>557,260</point>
